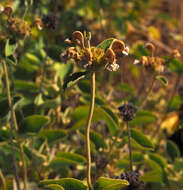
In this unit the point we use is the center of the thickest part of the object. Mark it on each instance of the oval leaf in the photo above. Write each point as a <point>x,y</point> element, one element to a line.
<point>66,183</point>
<point>78,159</point>
<point>55,187</point>
<point>105,44</point>
<point>172,150</point>
<point>141,139</point>
<point>110,184</point>
<point>53,135</point>
<point>33,123</point>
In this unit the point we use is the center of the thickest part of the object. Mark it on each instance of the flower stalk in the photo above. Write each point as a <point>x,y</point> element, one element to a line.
<point>91,110</point>
<point>130,147</point>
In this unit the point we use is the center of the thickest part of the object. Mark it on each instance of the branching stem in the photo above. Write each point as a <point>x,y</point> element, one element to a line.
<point>91,110</point>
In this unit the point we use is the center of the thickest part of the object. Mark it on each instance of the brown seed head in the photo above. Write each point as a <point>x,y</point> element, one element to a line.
<point>78,38</point>
<point>118,46</point>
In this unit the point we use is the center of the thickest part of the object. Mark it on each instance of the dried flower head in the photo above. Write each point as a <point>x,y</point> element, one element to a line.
<point>128,111</point>
<point>93,58</point>
<point>8,10</point>
<point>78,38</point>
<point>38,23</point>
<point>151,48</point>
<point>18,27</point>
<point>118,47</point>
<point>49,21</point>
<point>152,63</point>
<point>176,53</point>
<point>133,178</point>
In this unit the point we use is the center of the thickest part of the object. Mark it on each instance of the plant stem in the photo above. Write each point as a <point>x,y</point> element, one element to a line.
<point>3,180</point>
<point>92,103</point>
<point>148,93</point>
<point>24,166</point>
<point>13,124</point>
<point>16,135</point>
<point>130,146</point>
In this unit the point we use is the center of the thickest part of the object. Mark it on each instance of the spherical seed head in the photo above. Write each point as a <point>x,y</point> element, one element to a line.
<point>49,21</point>
<point>128,111</point>
<point>133,178</point>
<point>101,162</point>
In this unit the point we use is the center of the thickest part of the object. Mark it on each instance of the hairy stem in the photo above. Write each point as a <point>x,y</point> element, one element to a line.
<point>92,103</point>
<point>13,124</point>
<point>130,146</point>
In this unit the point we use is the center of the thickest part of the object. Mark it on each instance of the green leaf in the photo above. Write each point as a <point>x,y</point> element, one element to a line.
<point>73,77</point>
<point>172,150</point>
<point>54,187</point>
<point>80,115</point>
<point>66,183</point>
<point>25,86</point>
<point>158,159</point>
<point>53,135</point>
<point>141,139</point>
<point>105,44</point>
<point>176,66</point>
<point>137,157</point>
<point>84,86</point>
<point>10,48</point>
<point>63,69</point>
<point>122,164</point>
<point>110,184</point>
<point>143,117</point>
<point>12,60</point>
<point>96,138</point>
<point>156,173</point>
<point>73,157</point>
<point>163,80</point>
<point>5,106</point>
<point>152,176</point>
<point>33,123</point>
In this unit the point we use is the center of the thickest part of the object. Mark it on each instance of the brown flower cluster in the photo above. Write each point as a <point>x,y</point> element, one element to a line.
<point>155,63</point>
<point>18,27</point>
<point>93,58</point>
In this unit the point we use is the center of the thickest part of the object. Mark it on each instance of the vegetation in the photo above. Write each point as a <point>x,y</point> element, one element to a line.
<point>91,95</point>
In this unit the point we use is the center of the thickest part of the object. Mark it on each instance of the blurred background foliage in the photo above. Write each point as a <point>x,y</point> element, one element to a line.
<point>52,120</point>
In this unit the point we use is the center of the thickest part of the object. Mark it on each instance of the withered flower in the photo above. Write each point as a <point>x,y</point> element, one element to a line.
<point>152,63</point>
<point>93,58</point>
